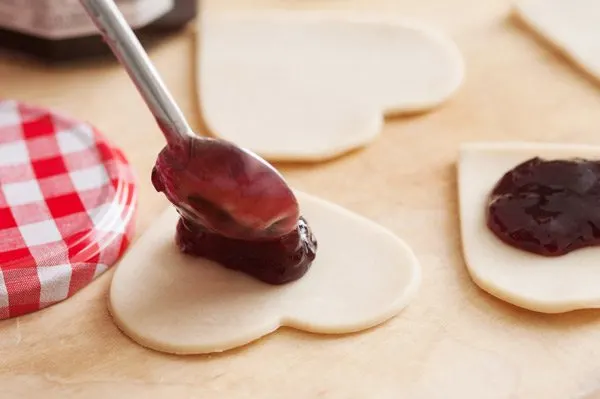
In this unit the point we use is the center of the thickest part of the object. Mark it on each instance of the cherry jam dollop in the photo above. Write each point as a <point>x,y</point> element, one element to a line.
<point>273,261</point>
<point>547,207</point>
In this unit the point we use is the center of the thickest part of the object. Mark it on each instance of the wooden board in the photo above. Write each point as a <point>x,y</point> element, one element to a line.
<point>454,341</point>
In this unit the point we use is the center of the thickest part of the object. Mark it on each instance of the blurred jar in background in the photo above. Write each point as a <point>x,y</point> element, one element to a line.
<point>60,30</point>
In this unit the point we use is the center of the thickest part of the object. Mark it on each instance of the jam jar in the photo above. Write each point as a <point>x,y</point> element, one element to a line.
<point>60,30</point>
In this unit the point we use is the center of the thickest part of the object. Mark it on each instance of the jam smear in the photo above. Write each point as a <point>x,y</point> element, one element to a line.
<point>547,207</point>
<point>274,261</point>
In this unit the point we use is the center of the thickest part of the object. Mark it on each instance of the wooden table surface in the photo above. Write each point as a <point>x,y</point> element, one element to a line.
<point>453,341</point>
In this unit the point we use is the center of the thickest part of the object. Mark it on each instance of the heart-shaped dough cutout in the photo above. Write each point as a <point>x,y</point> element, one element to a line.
<point>543,284</point>
<point>570,26</point>
<point>362,276</point>
<point>309,87</point>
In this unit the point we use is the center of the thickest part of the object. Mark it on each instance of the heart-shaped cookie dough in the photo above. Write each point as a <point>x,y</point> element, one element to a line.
<point>543,284</point>
<point>362,276</point>
<point>570,26</point>
<point>298,86</point>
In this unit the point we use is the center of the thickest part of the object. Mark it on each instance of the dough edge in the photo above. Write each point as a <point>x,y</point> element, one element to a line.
<point>243,340</point>
<point>522,12</point>
<point>377,123</point>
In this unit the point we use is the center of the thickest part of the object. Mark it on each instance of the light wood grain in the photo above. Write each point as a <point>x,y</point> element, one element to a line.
<point>454,341</point>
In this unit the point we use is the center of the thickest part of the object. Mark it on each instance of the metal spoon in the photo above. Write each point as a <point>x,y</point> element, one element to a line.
<point>224,188</point>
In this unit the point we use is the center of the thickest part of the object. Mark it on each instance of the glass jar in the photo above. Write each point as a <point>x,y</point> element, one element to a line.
<point>60,30</point>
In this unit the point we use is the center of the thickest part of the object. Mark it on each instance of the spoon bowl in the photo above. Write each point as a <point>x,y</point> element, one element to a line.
<point>226,189</point>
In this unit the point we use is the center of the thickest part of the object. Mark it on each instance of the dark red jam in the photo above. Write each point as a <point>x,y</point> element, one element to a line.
<point>275,261</point>
<point>225,190</point>
<point>234,213</point>
<point>547,207</point>
<point>40,20</point>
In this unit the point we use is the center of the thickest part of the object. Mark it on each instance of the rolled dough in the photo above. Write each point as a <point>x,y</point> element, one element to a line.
<point>570,26</point>
<point>299,86</point>
<point>549,285</point>
<point>362,276</point>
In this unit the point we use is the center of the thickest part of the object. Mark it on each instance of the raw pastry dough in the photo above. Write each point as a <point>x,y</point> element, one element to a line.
<point>571,26</point>
<point>363,275</point>
<point>549,285</point>
<point>308,87</point>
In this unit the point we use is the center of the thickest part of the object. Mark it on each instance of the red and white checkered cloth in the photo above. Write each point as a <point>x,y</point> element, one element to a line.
<point>67,206</point>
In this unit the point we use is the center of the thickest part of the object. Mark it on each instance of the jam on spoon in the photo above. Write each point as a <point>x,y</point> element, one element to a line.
<point>235,208</point>
<point>227,190</point>
<point>547,207</point>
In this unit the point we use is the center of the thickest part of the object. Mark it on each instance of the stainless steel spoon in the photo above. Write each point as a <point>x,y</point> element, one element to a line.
<point>224,188</point>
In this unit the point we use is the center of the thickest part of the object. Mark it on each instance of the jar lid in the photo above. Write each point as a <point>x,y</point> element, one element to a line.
<point>67,207</point>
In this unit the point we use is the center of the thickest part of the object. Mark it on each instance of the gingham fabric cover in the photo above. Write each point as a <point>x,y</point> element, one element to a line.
<point>67,206</point>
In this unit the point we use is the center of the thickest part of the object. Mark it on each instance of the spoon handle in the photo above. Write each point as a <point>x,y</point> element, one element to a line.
<point>130,53</point>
